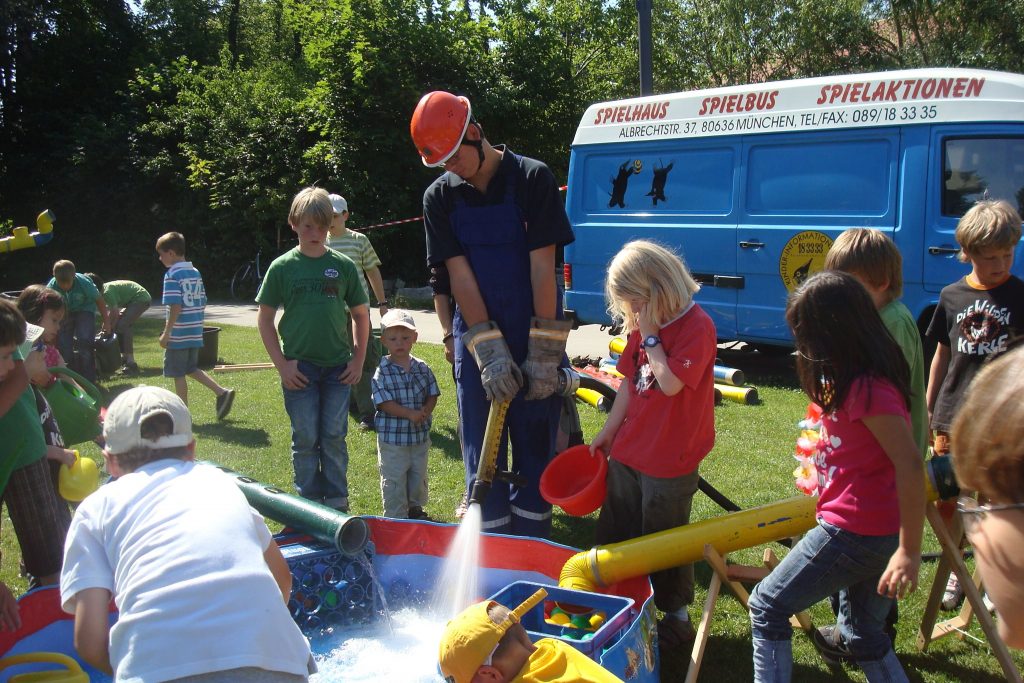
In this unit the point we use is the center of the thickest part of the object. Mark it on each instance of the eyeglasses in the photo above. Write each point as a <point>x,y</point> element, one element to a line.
<point>973,514</point>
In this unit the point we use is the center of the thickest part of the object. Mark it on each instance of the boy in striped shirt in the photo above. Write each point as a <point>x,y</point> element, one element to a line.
<point>185,299</point>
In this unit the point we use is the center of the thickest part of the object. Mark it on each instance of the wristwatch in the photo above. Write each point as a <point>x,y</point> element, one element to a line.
<point>651,341</point>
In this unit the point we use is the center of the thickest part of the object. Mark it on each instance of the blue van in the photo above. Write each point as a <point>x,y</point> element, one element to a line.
<point>751,184</point>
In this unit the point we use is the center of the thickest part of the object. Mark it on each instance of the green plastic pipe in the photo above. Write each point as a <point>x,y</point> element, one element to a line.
<point>346,533</point>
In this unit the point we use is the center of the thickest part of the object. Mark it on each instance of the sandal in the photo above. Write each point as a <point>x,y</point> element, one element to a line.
<point>675,633</point>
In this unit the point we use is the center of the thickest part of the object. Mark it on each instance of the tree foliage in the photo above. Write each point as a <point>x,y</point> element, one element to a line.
<point>205,116</point>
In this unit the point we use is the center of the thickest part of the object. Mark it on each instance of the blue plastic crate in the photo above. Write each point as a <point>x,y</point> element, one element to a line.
<point>582,605</point>
<point>329,588</point>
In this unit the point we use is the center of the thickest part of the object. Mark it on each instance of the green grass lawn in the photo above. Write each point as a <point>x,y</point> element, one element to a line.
<point>751,464</point>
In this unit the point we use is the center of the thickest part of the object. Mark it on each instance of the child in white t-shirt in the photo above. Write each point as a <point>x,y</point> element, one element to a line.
<point>199,583</point>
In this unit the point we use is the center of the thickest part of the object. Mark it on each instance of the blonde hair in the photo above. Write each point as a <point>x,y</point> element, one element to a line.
<point>988,432</point>
<point>871,255</point>
<point>63,271</point>
<point>172,241</point>
<point>648,271</point>
<point>988,224</point>
<point>311,203</point>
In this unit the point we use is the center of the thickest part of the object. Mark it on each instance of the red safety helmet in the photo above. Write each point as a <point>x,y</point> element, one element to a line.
<point>438,125</point>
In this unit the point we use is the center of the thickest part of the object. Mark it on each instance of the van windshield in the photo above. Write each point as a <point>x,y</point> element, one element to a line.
<point>982,168</point>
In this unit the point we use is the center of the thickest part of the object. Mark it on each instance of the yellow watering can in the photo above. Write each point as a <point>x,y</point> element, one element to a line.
<point>71,673</point>
<point>77,411</point>
<point>79,480</point>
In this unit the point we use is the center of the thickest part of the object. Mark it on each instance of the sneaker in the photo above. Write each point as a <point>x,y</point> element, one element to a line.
<point>830,645</point>
<point>460,511</point>
<point>954,594</point>
<point>130,369</point>
<point>416,512</point>
<point>366,425</point>
<point>224,402</point>
<point>675,633</point>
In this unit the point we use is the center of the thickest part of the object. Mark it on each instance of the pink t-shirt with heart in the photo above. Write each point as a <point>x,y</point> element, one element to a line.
<point>856,479</point>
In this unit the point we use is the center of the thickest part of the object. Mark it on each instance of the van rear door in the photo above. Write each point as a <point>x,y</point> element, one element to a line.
<point>799,192</point>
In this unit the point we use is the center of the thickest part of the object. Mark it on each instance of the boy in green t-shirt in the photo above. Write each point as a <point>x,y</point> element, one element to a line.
<point>318,358</point>
<point>357,247</point>
<point>39,517</point>
<point>126,302</point>
<point>78,331</point>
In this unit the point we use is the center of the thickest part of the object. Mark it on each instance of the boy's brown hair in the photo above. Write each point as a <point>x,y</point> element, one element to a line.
<point>312,203</point>
<point>172,241</point>
<point>871,256</point>
<point>35,300</point>
<point>63,271</point>
<point>988,432</point>
<point>12,324</point>
<point>988,224</point>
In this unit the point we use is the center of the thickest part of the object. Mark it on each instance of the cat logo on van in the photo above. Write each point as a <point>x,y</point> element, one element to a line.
<point>803,255</point>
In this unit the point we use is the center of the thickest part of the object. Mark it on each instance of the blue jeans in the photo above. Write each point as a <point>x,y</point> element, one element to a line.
<point>78,333</point>
<point>319,417</point>
<point>827,560</point>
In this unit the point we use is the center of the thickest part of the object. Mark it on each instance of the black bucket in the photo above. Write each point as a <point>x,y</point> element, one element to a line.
<point>208,354</point>
<point>108,353</point>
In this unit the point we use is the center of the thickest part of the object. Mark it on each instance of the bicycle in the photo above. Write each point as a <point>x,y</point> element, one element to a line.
<point>247,279</point>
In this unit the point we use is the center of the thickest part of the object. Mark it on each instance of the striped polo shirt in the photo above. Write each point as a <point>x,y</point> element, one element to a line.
<point>183,285</point>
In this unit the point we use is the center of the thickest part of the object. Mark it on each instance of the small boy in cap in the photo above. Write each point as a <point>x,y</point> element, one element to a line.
<point>198,580</point>
<point>486,642</point>
<point>405,393</point>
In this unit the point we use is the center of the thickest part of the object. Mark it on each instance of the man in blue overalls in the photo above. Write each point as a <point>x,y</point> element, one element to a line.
<point>495,219</point>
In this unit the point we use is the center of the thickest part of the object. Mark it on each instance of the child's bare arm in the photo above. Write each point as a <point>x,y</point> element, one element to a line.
<point>101,306</point>
<point>279,568</point>
<point>430,404</point>
<point>606,436</point>
<point>936,375</point>
<point>396,409</point>
<point>291,378</point>
<point>61,455</point>
<point>894,436</point>
<point>668,382</point>
<point>10,619</point>
<point>92,627</point>
<point>13,386</point>
<point>173,311</point>
<point>360,335</point>
<point>376,283</point>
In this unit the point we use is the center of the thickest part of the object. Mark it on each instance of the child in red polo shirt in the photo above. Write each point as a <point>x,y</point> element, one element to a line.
<point>662,423</point>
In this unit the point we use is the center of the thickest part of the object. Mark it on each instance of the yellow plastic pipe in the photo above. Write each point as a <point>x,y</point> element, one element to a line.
<point>608,564</point>
<point>21,238</point>
<point>593,398</point>
<point>747,395</point>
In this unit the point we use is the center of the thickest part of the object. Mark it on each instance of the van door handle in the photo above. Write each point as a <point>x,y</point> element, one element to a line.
<point>751,244</point>
<point>939,251</point>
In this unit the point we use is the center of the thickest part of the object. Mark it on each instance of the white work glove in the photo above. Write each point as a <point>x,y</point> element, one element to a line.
<point>499,375</point>
<point>543,355</point>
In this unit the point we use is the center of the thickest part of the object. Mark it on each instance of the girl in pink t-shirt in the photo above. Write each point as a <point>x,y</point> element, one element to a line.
<point>867,544</point>
<point>662,423</point>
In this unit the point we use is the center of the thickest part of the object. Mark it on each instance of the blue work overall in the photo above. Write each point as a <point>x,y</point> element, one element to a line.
<point>493,239</point>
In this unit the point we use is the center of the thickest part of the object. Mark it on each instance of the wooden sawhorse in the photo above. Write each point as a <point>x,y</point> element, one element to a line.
<point>952,560</point>
<point>732,576</point>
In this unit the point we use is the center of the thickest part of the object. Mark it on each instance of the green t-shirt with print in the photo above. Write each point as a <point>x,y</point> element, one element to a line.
<point>121,293</point>
<point>315,294</point>
<point>21,432</point>
<point>900,323</point>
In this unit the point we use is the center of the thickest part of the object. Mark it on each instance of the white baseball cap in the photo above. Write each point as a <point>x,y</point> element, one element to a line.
<point>396,317</point>
<point>339,203</point>
<point>122,426</point>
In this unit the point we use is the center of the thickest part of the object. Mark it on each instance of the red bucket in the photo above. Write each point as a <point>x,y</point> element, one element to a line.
<point>574,480</point>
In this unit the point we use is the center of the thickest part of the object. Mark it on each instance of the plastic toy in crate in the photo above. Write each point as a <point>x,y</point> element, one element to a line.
<point>587,621</point>
<point>329,588</point>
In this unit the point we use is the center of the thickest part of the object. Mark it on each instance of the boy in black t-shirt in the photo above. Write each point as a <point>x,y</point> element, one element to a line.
<point>976,317</point>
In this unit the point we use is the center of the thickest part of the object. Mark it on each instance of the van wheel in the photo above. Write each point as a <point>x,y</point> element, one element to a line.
<point>772,351</point>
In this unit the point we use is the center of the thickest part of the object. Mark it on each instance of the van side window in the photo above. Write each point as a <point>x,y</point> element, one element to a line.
<point>979,168</point>
<point>820,178</point>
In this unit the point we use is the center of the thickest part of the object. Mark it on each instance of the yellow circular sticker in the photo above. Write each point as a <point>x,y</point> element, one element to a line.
<point>638,165</point>
<point>803,255</point>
